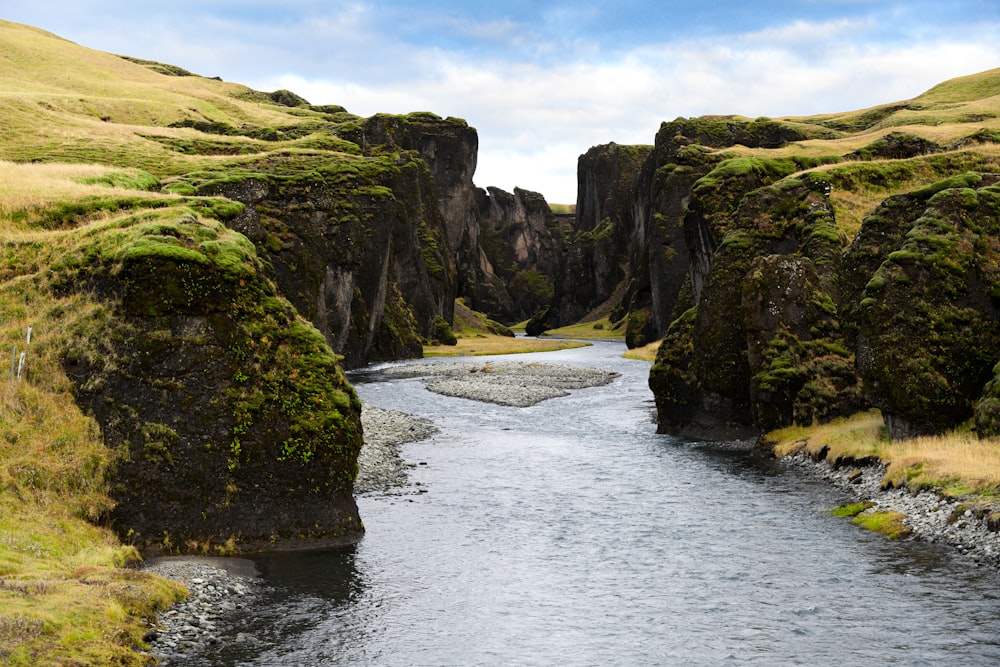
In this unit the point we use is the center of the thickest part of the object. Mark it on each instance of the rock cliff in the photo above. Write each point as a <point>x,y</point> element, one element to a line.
<point>794,281</point>
<point>772,314</point>
<point>234,427</point>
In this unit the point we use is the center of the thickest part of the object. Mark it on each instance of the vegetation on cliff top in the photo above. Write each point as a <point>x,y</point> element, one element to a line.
<point>53,460</point>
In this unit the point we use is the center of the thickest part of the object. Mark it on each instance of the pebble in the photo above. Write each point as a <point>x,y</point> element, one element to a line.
<point>380,466</point>
<point>510,383</point>
<point>930,516</point>
<point>190,625</point>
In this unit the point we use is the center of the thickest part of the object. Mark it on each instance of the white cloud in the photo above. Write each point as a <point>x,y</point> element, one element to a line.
<point>534,120</point>
<point>547,90</point>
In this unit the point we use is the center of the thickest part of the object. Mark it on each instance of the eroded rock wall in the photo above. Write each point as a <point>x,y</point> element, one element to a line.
<point>234,426</point>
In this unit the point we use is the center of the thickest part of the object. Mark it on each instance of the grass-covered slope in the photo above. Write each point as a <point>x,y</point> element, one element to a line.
<point>169,397</point>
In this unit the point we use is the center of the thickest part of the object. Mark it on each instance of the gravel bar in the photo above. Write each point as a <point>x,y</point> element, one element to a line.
<point>508,383</point>
<point>380,467</point>
<point>216,587</point>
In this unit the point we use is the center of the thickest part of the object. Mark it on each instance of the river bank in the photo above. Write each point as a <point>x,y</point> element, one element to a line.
<point>929,516</point>
<point>194,626</point>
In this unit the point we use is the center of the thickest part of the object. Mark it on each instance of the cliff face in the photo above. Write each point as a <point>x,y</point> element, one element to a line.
<point>776,317</point>
<point>234,426</point>
<point>520,253</point>
<point>928,317</point>
<point>602,236</point>
<point>359,249</point>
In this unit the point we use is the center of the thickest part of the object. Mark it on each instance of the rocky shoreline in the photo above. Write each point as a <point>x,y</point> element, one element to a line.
<point>216,588</point>
<point>380,467</point>
<point>929,516</point>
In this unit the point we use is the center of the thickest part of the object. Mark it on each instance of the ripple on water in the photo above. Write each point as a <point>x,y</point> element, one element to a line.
<point>570,533</point>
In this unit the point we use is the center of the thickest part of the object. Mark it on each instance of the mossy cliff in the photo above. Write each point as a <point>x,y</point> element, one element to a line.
<point>357,245</point>
<point>520,257</point>
<point>801,284</point>
<point>235,427</point>
<point>234,246</point>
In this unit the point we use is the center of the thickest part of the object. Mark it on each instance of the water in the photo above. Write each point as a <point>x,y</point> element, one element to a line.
<point>570,533</point>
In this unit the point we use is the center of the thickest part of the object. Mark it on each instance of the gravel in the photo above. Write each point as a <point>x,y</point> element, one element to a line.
<point>929,516</point>
<point>380,467</point>
<point>510,383</point>
<point>217,587</point>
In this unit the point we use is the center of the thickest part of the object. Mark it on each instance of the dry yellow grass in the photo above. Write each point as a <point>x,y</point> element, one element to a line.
<point>64,597</point>
<point>959,463</point>
<point>486,344</point>
<point>854,437</point>
<point>644,353</point>
<point>602,329</point>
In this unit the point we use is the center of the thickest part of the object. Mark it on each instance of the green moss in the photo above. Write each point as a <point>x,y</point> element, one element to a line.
<point>889,524</point>
<point>852,509</point>
<point>762,170</point>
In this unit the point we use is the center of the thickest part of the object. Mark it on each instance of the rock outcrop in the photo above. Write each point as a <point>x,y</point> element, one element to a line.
<point>929,317</point>
<point>520,255</point>
<point>770,313</point>
<point>234,426</point>
<point>358,247</point>
<point>790,322</point>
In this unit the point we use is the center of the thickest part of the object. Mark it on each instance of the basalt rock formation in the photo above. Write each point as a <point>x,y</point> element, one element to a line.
<point>784,304</point>
<point>520,251</point>
<point>234,424</point>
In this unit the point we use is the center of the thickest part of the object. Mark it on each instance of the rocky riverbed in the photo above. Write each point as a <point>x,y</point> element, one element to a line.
<point>216,588</point>
<point>929,516</point>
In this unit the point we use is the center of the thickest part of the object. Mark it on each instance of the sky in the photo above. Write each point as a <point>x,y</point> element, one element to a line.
<point>541,81</point>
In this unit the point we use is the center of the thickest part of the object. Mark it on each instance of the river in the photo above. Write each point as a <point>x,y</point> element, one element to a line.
<point>571,533</point>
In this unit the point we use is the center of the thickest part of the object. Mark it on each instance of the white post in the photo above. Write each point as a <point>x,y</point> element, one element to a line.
<point>29,335</point>
<point>20,366</point>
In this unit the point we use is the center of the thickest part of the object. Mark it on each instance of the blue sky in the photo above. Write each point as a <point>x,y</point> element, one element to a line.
<point>544,81</point>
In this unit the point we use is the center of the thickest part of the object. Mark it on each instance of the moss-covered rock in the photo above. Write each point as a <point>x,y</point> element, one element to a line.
<point>672,378</point>
<point>345,238</point>
<point>988,408</point>
<point>234,424</point>
<point>896,146</point>
<point>928,317</point>
<point>510,275</point>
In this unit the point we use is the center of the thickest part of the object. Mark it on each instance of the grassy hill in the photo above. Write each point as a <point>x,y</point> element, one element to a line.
<point>88,147</point>
<point>960,118</point>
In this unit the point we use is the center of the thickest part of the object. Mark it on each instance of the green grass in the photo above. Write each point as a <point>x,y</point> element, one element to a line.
<point>602,329</point>
<point>852,509</point>
<point>477,335</point>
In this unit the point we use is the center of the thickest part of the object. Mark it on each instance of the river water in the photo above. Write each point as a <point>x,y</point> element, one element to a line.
<point>570,533</point>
